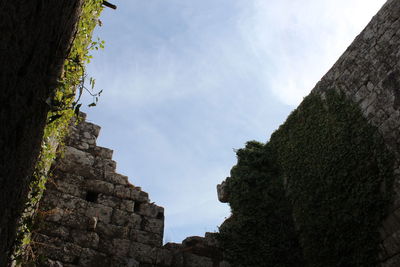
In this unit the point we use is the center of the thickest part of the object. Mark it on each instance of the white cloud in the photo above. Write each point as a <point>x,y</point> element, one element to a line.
<point>296,42</point>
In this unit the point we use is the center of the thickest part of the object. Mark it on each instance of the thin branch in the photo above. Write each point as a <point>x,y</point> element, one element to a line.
<point>107,4</point>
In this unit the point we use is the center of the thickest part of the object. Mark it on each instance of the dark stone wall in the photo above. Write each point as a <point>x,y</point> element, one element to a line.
<point>35,38</point>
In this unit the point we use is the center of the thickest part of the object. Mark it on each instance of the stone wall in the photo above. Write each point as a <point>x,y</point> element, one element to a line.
<point>35,40</point>
<point>369,74</point>
<point>92,216</point>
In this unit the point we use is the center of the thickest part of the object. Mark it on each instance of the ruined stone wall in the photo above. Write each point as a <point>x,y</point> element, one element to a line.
<point>92,216</point>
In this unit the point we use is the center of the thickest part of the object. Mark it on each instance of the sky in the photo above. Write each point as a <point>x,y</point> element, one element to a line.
<point>186,82</point>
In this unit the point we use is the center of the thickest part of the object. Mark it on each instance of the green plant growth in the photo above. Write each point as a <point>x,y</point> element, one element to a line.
<point>64,104</point>
<point>336,165</point>
<point>337,174</point>
<point>261,230</point>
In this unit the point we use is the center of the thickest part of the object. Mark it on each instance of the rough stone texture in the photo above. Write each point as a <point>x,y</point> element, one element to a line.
<point>223,195</point>
<point>35,39</point>
<point>92,216</point>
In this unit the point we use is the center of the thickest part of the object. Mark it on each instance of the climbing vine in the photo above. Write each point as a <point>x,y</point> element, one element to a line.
<point>261,231</point>
<point>64,104</point>
<point>327,172</point>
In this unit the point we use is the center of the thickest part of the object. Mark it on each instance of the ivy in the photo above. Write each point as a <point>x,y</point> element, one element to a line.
<point>261,230</point>
<point>326,168</point>
<point>64,104</point>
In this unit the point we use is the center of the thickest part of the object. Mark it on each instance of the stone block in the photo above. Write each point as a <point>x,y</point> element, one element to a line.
<point>103,152</point>
<point>123,218</point>
<point>58,250</point>
<point>173,246</point>
<point>120,247</point>
<point>150,210</point>
<point>71,203</point>
<point>192,260</point>
<point>71,189</point>
<point>112,231</point>
<point>76,221</point>
<point>139,196</point>
<point>91,128</point>
<point>142,253</point>
<point>116,178</point>
<point>109,201</point>
<point>85,239</point>
<point>105,246</point>
<point>107,165</point>
<point>177,259</point>
<point>53,215</point>
<point>81,145</point>
<point>192,241</point>
<point>200,246</point>
<point>50,199</point>
<point>54,230</point>
<point>66,183</point>
<point>153,225</point>
<point>223,195</point>
<point>76,161</point>
<point>393,122</point>
<point>127,205</point>
<point>122,191</point>
<point>164,257</point>
<point>147,238</point>
<point>92,258</point>
<point>103,213</point>
<point>99,187</point>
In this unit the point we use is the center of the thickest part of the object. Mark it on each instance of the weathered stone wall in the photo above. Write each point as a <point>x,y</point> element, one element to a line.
<point>92,216</point>
<point>369,74</point>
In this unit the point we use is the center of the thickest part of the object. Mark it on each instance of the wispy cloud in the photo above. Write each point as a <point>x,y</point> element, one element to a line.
<point>187,81</point>
<point>296,42</point>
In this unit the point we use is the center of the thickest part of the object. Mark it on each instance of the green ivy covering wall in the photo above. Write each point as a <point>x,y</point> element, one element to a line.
<point>329,171</point>
<point>261,229</point>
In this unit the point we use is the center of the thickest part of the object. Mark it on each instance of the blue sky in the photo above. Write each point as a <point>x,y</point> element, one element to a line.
<point>187,81</point>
